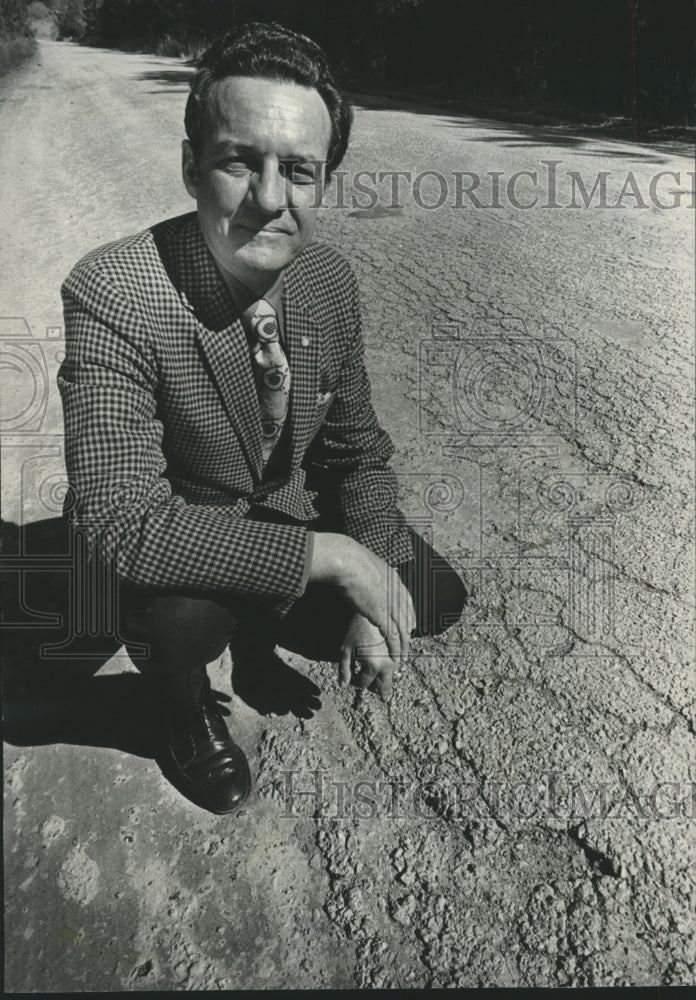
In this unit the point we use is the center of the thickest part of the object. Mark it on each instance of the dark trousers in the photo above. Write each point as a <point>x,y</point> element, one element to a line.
<point>186,631</point>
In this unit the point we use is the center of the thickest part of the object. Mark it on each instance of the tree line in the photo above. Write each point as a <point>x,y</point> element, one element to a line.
<point>17,41</point>
<point>612,57</point>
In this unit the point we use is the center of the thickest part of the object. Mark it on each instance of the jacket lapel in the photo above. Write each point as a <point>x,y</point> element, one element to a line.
<point>227,355</point>
<point>224,345</point>
<point>221,338</point>
<point>303,348</point>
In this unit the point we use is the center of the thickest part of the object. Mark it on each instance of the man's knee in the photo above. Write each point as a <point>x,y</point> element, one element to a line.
<point>177,626</point>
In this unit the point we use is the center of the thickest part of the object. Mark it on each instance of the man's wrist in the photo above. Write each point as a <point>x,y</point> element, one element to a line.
<point>328,557</point>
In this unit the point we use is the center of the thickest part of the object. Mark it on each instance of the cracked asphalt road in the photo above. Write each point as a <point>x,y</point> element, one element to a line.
<point>521,813</point>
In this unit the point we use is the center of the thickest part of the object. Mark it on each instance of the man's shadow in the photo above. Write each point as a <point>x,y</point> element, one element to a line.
<point>50,693</point>
<point>266,683</point>
<point>50,658</point>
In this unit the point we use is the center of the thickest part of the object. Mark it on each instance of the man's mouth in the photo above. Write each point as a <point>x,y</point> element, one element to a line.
<point>266,230</point>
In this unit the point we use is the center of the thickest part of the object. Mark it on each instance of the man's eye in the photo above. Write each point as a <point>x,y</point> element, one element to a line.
<point>301,173</point>
<point>236,165</point>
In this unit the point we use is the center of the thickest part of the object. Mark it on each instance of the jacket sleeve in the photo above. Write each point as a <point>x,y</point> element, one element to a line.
<point>351,453</point>
<point>116,469</point>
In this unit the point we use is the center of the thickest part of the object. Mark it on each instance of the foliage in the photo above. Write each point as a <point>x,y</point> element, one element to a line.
<point>14,51</point>
<point>38,11</point>
<point>14,19</point>
<point>530,53</point>
<point>17,41</point>
<point>70,18</point>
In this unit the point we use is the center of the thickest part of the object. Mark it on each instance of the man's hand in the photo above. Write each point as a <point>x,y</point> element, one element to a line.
<point>364,641</point>
<point>370,586</point>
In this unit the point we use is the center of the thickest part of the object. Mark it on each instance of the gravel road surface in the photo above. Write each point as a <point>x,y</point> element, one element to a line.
<point>521,812</point>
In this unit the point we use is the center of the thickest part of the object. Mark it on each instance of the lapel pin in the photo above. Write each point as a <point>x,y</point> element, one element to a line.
<point>185,302</point>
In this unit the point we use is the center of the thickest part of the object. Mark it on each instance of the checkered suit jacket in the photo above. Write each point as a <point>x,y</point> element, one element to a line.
<point>162,426</point>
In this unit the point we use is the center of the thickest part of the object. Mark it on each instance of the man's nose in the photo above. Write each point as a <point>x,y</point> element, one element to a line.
<point>268,189</point>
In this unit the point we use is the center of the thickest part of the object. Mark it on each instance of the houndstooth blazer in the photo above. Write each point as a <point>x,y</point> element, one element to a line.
<point>162,425</point>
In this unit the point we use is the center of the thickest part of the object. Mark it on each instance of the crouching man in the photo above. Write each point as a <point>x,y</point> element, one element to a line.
<point>220,437</point>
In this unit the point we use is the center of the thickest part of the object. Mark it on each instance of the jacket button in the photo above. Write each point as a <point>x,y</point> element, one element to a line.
<point>304,341</point>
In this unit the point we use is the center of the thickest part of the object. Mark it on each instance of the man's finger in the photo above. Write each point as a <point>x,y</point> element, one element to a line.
<point>412,619</point>
<point>405,635</point>
<point>398,640</point>
<point>377,669</point>
<point>383,685</point>
<point>403,612</point>
<point>393,641</point>
<point>409,612</point>
<point>366,674</point>
<point>344,667</point>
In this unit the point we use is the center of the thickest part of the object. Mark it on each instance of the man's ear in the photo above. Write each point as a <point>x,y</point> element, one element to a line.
<point>189,170</point>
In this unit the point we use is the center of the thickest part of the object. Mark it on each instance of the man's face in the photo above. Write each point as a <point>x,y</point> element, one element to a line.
<point>257,181</point>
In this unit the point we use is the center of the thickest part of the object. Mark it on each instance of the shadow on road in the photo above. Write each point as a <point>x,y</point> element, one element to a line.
<point>268,684</point>
<point>50,693</point>
<point>177,79</point>
<point>117,712</point>
<point>528,126</point>
<point>49,689</point>
<point>533,135</point>
<point>50,659</point>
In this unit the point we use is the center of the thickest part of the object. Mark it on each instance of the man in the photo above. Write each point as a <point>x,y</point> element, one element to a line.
<point>221,445</point>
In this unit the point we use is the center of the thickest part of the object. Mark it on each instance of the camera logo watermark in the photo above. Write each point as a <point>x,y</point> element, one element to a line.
<point>24,369</point>
<point>82,561</point>
<point>495,379</point>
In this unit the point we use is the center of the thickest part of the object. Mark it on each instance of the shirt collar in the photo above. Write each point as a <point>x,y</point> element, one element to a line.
<point>243,297</point>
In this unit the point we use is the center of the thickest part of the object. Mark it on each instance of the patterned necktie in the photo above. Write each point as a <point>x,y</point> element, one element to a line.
<point>271,372</point>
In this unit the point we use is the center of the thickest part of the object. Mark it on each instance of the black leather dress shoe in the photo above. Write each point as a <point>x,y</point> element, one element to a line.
<point>211,768</point>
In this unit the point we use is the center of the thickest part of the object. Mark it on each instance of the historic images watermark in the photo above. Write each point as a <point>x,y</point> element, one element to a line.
<point>552,797</point>
<point>551,186</point>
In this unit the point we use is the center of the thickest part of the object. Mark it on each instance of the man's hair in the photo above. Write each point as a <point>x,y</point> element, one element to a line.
<point>272,52</point>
